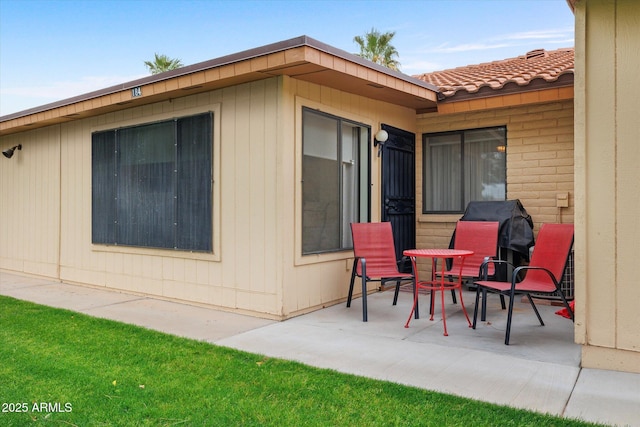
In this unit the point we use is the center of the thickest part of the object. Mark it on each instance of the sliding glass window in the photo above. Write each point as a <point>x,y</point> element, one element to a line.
<point>335,180</point>
<point>463,166</point>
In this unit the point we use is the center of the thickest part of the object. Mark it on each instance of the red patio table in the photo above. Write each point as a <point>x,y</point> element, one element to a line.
<point>441,283</point>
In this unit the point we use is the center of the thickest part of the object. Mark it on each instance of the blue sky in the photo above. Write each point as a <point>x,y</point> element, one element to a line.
<point>55,49</point>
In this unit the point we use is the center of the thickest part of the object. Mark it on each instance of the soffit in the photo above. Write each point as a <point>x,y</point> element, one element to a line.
<point>301,58</point>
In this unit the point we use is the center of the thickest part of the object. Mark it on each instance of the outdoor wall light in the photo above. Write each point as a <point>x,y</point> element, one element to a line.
<point>8,153</point>
<point>379,139</point>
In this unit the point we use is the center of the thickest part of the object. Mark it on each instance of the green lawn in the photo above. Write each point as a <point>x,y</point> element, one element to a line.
<point>66,369</point>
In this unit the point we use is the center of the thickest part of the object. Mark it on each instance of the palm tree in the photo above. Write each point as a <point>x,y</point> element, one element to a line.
<point>377,47</point>
<point>162,63</point>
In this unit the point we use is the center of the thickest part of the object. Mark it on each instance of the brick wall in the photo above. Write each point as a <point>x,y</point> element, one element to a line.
<point>539,162</point>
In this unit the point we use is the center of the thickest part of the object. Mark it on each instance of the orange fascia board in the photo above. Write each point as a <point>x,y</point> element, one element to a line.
<point>510,100</point>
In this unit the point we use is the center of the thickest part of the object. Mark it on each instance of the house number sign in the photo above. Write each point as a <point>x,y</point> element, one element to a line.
<point>136,91</point>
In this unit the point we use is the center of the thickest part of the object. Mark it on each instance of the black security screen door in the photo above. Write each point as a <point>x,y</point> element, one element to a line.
<point>398,189</point>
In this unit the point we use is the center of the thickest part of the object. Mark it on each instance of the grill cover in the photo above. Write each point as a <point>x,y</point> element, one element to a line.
<point>516,226</point>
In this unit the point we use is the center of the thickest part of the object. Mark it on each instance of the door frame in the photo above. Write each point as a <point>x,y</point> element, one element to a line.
<point>403,142</point>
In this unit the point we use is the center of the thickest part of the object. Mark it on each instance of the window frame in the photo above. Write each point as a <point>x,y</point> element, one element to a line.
<point>426,187</point>
<point>363,173</point>
<point>213,254</point>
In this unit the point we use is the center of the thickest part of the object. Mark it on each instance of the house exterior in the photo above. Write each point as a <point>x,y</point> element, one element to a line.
<point>293,160</point>
<point>229,183</point>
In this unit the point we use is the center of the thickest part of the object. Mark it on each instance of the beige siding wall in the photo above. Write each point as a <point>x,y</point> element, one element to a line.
<point>256,266</point>
<point>240,273</point>
<point>46,227</point>
<point>539,162</point>
<point>30,203</point>
<point>607,177</point>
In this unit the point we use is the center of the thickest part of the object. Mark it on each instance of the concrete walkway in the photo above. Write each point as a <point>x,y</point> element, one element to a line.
<point>539,371</point>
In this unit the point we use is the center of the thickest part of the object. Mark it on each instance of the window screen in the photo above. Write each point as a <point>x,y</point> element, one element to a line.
<point>151,184</point>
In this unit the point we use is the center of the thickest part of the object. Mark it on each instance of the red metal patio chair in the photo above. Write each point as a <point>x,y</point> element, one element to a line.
<point>542,275</point>
<point>481,237</point>
<point>375,260</point>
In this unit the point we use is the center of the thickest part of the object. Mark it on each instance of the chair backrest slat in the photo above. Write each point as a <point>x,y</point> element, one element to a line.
<point>374,242</point>
<point>551,251</point>
<point>481,237</point>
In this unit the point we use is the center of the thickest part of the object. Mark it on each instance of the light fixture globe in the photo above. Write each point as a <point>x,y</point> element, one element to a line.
<point>381,136</point>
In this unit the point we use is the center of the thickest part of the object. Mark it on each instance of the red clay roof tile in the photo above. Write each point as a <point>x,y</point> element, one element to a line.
<point>535,70</point>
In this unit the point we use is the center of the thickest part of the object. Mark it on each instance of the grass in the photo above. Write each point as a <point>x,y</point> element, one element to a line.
<point>96,372</point>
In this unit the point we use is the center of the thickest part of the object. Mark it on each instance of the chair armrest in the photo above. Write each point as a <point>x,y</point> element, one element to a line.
<point>484,267</point>
<point>524,268</point>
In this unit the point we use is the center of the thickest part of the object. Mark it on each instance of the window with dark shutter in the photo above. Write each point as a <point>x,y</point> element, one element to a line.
<point>151,185</point>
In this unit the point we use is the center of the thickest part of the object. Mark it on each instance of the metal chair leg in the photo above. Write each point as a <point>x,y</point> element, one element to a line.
<point>567,306</point>
<point>535,309</point>
<point>395,295</point>
<point>475,310</point>
<point>509,317</point>
<point>414,309</point>
<point>416,312</point>
<point>364,299</point>
<point>483,314</point>
<point>353,279</point>
<point>364,290</point>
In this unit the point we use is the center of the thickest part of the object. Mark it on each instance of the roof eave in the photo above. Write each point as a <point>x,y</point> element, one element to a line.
<point>301,57</point>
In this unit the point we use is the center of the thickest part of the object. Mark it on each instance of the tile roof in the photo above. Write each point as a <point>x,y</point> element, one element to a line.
<point>537,69</point>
